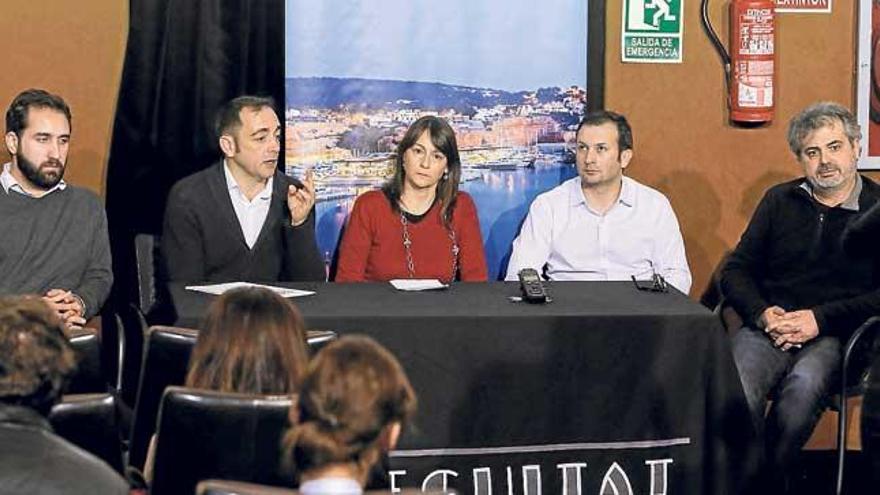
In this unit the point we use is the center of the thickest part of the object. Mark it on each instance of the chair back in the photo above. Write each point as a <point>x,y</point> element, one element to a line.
<point>132,333</point>
<point>165,362</point>
<point>146,248</point>
<point>88,378</point>
<point>205,434</point>
<point>871,422</point>
<point>90,422</point>
<point>317,339</point>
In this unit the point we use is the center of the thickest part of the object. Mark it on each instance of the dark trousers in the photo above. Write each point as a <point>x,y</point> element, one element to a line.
<point>802,380</point>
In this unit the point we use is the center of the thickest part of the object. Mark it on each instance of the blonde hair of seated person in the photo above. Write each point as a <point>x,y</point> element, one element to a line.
<point>353,401</point>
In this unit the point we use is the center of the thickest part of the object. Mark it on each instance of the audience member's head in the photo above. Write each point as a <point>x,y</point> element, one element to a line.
<point>353,402</point>
<point>35,356</point>
<point>253,341</point>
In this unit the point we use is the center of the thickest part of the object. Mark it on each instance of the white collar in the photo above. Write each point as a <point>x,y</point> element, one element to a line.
<point>331,485</point>
<point>233,186</point>
<point>627,196</point>
<point>9,183</point>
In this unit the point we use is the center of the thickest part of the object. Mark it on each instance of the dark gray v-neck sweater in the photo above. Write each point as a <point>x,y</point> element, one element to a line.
<point>58,241</point>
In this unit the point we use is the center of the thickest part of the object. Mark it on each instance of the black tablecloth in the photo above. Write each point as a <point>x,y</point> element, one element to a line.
<point>606,387</point>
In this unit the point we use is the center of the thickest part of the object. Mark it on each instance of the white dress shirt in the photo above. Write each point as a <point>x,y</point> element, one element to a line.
<point>251,213</point>
<point>7,180</point>
<point>637,236</point>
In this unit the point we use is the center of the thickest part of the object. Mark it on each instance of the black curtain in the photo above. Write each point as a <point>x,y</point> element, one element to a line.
<point>183,60</point>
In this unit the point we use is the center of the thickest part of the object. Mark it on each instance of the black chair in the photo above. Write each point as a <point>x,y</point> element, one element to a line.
<point>204,434</point>
<point>165,362</point>
<point>89,377</point>
<point>151,308</point>
<point>113,350</point>
<point>133,329</point>
<point>317,339</point>
<point>146,248</point>
<point>871,423</point>
<point>856,350</point>
<point>89,421</point>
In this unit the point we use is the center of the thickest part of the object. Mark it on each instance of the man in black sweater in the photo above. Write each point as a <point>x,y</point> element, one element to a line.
<point>241,219</point>
<point>799,294</point>
<point>55,240</point>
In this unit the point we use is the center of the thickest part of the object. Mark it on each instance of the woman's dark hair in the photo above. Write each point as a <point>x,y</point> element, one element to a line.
<point>353,389</point>
<point>35,356</point>
<point>253,341</point>
<point>443,137</point>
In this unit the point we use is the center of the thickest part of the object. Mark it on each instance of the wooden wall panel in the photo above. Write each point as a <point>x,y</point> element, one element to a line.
<point>75,49</point>
<point>713,173</point>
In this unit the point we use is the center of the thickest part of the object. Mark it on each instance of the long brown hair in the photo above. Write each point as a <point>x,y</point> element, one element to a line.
<point>253,341</point>
<point>353,389</point>
<point>443,137</point>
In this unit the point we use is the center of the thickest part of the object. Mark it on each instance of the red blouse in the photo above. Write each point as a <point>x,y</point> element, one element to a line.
<point>372,246</point>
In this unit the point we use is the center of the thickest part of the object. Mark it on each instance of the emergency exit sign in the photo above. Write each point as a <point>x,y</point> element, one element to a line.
<point>795,6</point>
<point>651,31</point>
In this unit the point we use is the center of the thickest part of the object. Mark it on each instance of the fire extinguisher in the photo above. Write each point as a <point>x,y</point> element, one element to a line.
<point>750,65</point>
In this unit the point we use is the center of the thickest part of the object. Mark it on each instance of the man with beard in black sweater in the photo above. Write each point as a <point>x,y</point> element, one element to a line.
<point>799,293</point>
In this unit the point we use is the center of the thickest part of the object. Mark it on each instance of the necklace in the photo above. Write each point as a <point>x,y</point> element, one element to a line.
<point>407,243</point>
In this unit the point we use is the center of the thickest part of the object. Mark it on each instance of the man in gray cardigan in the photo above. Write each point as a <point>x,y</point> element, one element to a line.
<point>55,240</point>
<point>241,219</point>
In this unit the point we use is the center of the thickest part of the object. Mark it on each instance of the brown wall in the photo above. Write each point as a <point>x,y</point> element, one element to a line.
<point>714,174</point>
<point>75,49</point>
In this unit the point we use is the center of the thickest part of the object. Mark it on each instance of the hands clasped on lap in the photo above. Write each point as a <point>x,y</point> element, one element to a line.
<point>789,329</point>
<point>68,307</point>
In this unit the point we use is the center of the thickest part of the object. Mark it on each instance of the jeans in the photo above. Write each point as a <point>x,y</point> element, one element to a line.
<point>802,380</point>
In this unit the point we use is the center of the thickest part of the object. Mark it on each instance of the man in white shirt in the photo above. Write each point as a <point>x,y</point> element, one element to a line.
<point>602,225</point>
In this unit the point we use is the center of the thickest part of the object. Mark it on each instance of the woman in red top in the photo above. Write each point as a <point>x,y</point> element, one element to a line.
<point>418,225</point>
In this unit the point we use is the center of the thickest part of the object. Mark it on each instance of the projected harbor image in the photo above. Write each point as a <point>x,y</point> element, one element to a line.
<point>356,78</point>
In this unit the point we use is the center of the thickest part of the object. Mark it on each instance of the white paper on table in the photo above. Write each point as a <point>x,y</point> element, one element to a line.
<point>218,289</point>
<point>416,284</point>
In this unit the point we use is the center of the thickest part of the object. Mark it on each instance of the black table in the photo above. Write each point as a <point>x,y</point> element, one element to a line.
<point>606,387</point>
